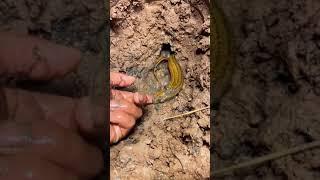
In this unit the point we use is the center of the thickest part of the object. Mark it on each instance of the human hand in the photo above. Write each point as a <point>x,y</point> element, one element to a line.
<point>124,107</point>
<point>44,136</point>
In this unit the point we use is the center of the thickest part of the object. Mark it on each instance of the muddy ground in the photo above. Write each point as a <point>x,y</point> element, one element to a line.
<point>274,101</point>
<point>271,106</point>
<point>157,148</point>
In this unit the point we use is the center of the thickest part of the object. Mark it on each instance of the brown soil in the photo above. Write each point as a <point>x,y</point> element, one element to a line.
<point>274,102</point>
<point>176,148</point>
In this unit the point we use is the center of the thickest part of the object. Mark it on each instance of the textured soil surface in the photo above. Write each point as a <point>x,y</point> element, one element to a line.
<point>157,148</point>
<point>275,98</point>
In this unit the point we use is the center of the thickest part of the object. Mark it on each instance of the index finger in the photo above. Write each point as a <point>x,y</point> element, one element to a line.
<point>137,98</point>
<point>35,58</point>
<point>120,79</point>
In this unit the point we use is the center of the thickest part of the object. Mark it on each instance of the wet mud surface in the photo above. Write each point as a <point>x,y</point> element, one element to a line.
<point>274,100</point>
<point>164,149</point>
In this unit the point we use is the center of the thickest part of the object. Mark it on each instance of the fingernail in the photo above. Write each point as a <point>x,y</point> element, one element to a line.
<point>149,99</point>
<point>114,104</point>
<point>130,78</point>
<point>117,133</point>
<point>137,98</point>
<point>127,80</point>
<point>142,98</point>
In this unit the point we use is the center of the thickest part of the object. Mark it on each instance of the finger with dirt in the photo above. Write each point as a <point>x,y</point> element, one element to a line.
<point>137,98</point>
<point>34,58</point>
<point>121,80</point>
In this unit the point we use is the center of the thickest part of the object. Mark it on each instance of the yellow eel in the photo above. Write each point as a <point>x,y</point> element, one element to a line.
<point>176,77</point>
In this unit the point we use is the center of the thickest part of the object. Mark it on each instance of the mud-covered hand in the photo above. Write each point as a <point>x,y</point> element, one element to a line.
<point>44,136</point>
<point>124,106</point>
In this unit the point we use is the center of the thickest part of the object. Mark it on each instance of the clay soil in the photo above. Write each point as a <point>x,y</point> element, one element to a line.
<point>274,102</point>
<point>157,148</point>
